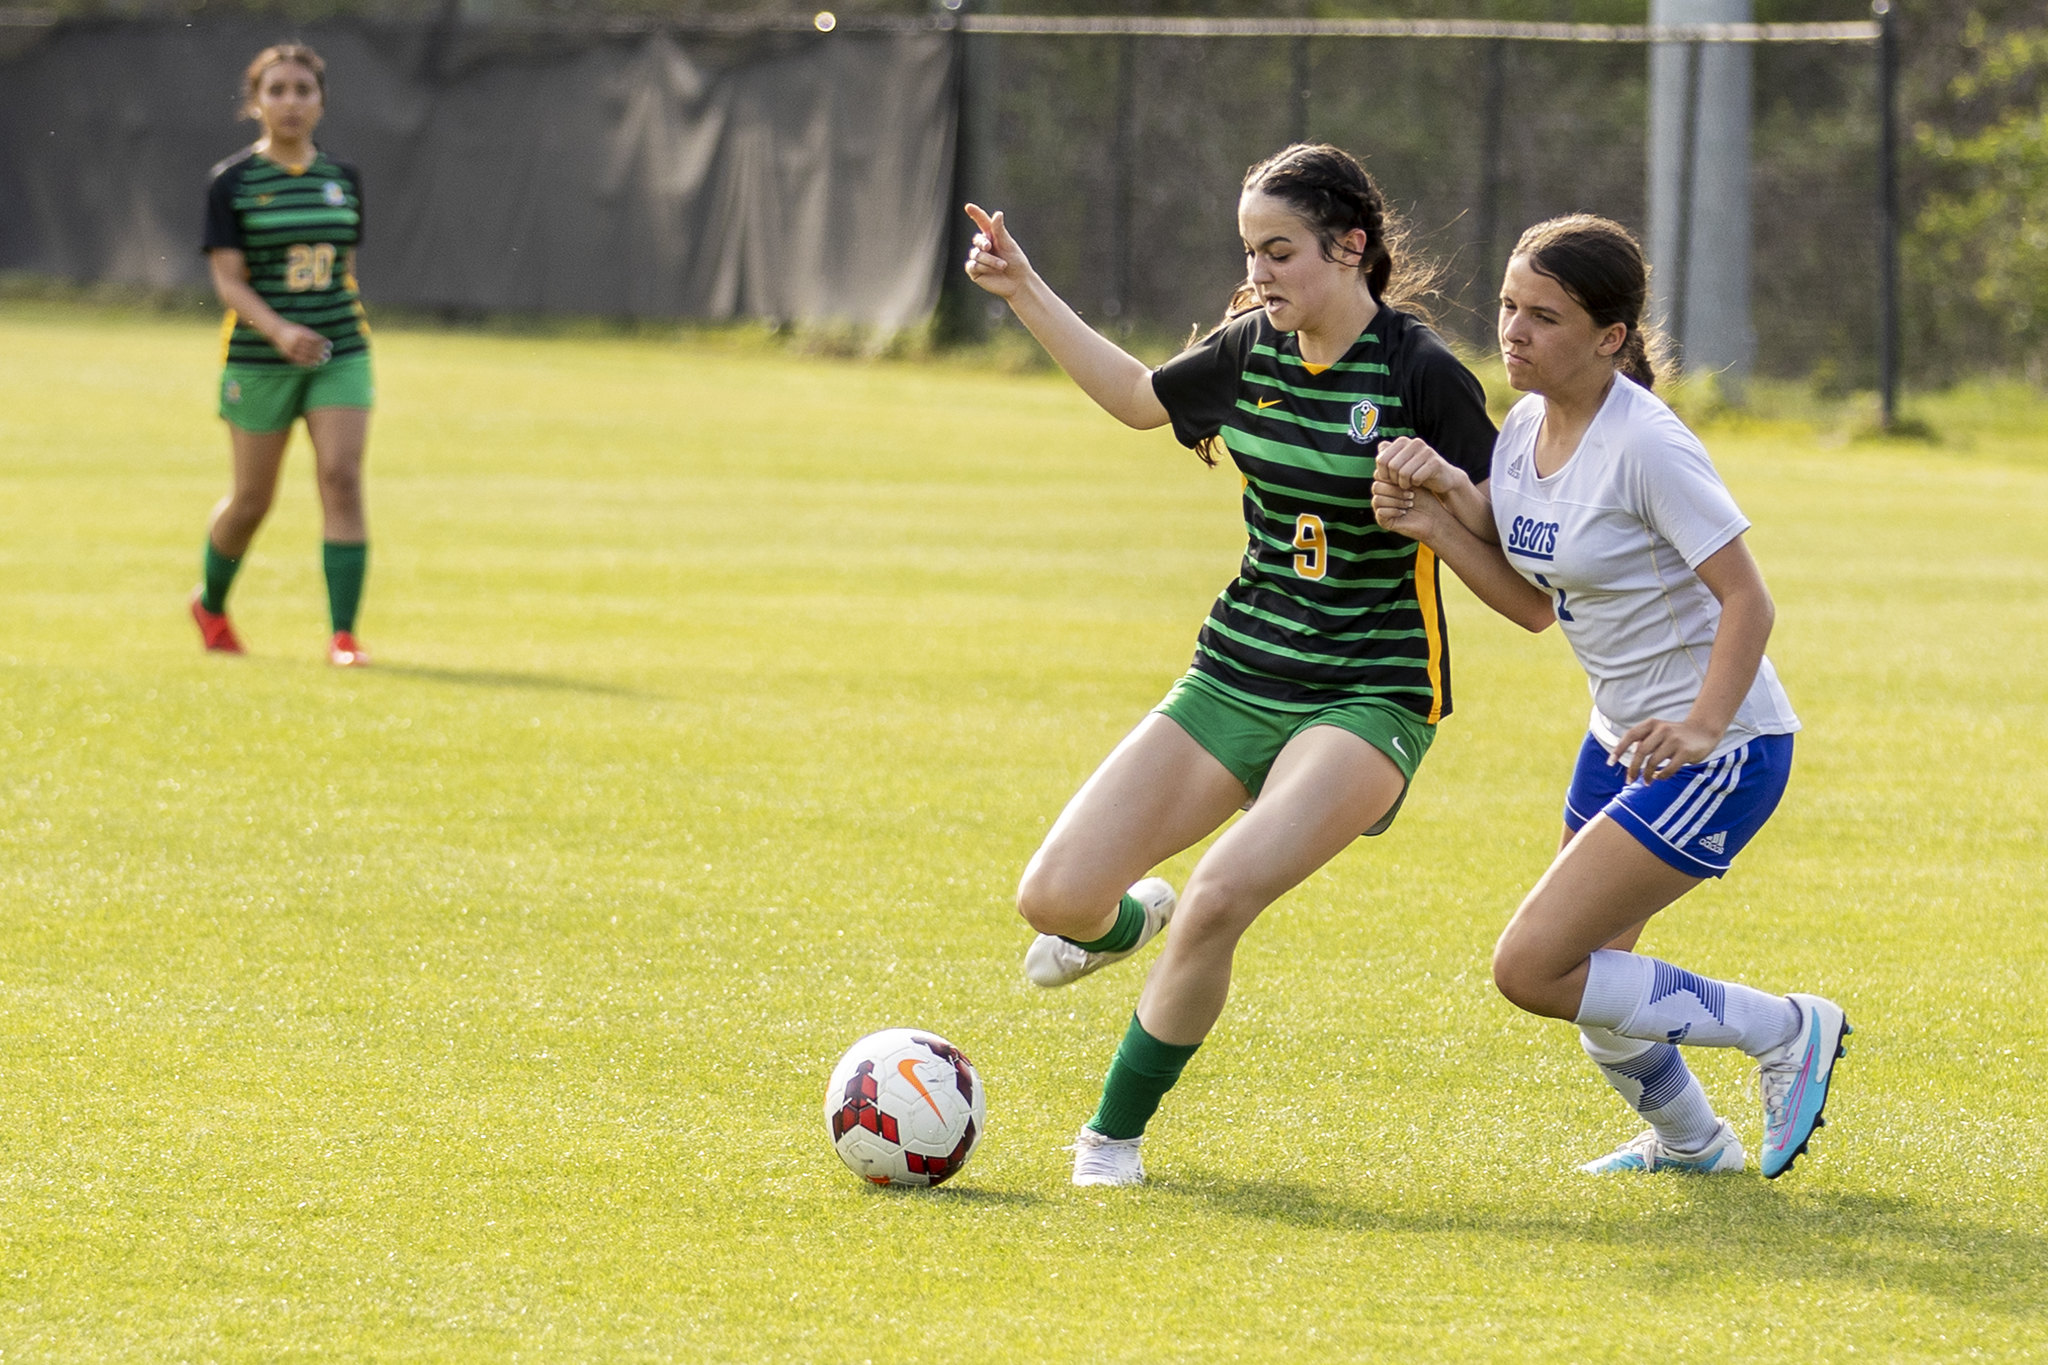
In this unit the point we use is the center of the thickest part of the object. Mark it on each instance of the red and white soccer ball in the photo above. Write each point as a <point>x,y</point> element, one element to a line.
<point>905,1107</point>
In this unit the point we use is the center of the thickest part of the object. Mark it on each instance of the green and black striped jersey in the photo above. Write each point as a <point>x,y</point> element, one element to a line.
<point>297,230</point>
<point>1327,604</point>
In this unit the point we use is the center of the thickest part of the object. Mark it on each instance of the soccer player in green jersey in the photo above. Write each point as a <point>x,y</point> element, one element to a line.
<point>1323,669</point>
<point>282,224</point>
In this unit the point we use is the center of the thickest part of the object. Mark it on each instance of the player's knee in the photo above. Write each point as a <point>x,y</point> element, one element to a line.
<point>341,489</point>
<point>1516,974</point>
<point>1054,901</point>
<point>246,508</point>
<point>1213,916</point>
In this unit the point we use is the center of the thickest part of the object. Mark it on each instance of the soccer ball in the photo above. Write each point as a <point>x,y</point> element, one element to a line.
<point>905,1107</point>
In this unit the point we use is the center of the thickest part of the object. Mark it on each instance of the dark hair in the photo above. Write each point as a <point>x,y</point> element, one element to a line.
<point>1331,191</point>
<point>297,54</point>
<point>1335,195</point>
<point>1600,264</point>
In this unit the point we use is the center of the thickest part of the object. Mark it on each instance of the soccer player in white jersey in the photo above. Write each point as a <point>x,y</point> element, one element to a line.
<point>1604,514</point>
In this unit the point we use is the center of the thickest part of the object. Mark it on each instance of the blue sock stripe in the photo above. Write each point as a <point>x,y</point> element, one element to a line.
<point>1670,980</point>
<point>1661,1073</point>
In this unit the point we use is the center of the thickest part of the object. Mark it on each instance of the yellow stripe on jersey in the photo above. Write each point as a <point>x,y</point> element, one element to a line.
<point>227,333</point>
<point>1431,602</point>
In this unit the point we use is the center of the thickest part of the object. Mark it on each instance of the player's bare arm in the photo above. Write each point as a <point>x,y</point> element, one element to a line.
<point>230,271</point>
<point>1117,380</point>
<point>1421,515</point>
<point>1659,748</point>
<point>1410,462</point>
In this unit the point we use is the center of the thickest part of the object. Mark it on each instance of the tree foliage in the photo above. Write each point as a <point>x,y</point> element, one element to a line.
<point>1980,240</point>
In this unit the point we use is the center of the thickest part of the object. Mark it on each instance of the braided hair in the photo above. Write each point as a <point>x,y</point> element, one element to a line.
<point>1600,264</point>
<point>1331,191</point>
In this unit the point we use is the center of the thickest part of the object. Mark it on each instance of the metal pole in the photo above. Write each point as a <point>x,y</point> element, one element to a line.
<point>1298,132</point>
<point>1887,212</point>
<point>1124,194</point>
<point>1492,132</point>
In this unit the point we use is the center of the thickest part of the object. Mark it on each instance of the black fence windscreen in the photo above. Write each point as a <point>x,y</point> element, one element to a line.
<point>789,176</point>
<point>799,175</point>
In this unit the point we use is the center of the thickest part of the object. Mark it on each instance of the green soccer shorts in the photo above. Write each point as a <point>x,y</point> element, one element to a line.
<point>1246,736</point>
<point>272,397</point>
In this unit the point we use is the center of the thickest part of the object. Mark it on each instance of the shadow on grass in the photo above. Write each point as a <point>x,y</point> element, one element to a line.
<point>542,682</point>
<point>960,1194</point>
<point>968,1194</point>
<point>1780,1233</point>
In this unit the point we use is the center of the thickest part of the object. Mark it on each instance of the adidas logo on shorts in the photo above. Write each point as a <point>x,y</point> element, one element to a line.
<point>1715,842</point>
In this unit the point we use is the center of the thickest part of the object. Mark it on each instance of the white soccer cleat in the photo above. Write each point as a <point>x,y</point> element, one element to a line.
<point>1053,961</point>
<point>1648,1154</point>
<point>1100,1160</point>
<point>1794,1077</point>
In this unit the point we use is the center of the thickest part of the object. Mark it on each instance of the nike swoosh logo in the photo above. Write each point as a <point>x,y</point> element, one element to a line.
<point>907,1068</point>
<point>1268,402</point>
<point>1396,741</point>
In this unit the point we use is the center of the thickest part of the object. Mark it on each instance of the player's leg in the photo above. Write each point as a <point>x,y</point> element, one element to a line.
<point>340,437</point>
<point>256,457</point>
<point>1327,787</point>
<point>1625,866</point>
<point>1685,1133</point>
<point>1158,792</point>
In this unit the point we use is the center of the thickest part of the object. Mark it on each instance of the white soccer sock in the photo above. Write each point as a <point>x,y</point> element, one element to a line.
<point>1641,997</point>
<point>1657,1084</point>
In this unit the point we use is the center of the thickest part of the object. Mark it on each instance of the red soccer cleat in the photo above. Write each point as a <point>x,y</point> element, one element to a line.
<point>344,651</point>
<point>214,629</point>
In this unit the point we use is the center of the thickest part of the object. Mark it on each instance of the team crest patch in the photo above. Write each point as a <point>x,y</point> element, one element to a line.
<point>1365,420</point>
<point>233,392</point>
<point>332,193</point>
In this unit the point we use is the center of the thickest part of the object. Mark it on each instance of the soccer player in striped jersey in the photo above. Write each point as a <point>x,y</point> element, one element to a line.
<point>1323,669</point>
<point>282,224</point>
<point>1604,514</point>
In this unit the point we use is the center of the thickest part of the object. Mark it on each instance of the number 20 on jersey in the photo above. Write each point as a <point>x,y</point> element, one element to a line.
<point>309,267</point>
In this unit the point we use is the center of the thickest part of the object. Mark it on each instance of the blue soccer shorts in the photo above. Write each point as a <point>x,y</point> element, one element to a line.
<point>1698,818</point>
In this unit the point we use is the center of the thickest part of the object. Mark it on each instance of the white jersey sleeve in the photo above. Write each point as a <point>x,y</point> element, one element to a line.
<point>1615,537</point>
<point>1678,494</point>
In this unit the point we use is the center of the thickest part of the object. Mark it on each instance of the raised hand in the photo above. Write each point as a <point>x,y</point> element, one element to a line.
<point>995,261</point>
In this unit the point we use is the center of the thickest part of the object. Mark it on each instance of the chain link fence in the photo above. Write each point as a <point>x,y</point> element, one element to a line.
<point>1118,157</point>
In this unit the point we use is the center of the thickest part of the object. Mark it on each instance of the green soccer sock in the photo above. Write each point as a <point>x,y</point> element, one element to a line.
<point>1144,1070</point>
<point>217,573</point>
<point>345,565</point>
<point>1129,926</point>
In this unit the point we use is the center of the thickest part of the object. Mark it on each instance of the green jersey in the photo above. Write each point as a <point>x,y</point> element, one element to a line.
<point>297,230</point>
<point>1326,604</point>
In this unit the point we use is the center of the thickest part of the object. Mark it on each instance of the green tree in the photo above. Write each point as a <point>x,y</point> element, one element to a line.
<point>1981,241</point>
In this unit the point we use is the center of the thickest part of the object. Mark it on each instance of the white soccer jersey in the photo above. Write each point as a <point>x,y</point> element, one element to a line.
<point>1614,537</point>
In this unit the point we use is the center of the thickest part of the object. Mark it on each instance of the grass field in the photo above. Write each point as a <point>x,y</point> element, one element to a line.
<point>480,1005</point>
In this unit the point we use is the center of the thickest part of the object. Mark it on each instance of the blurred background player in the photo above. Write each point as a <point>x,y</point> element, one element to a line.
<point>1322,671</point>
<point>282,225</point>
<point>1604,514</point>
